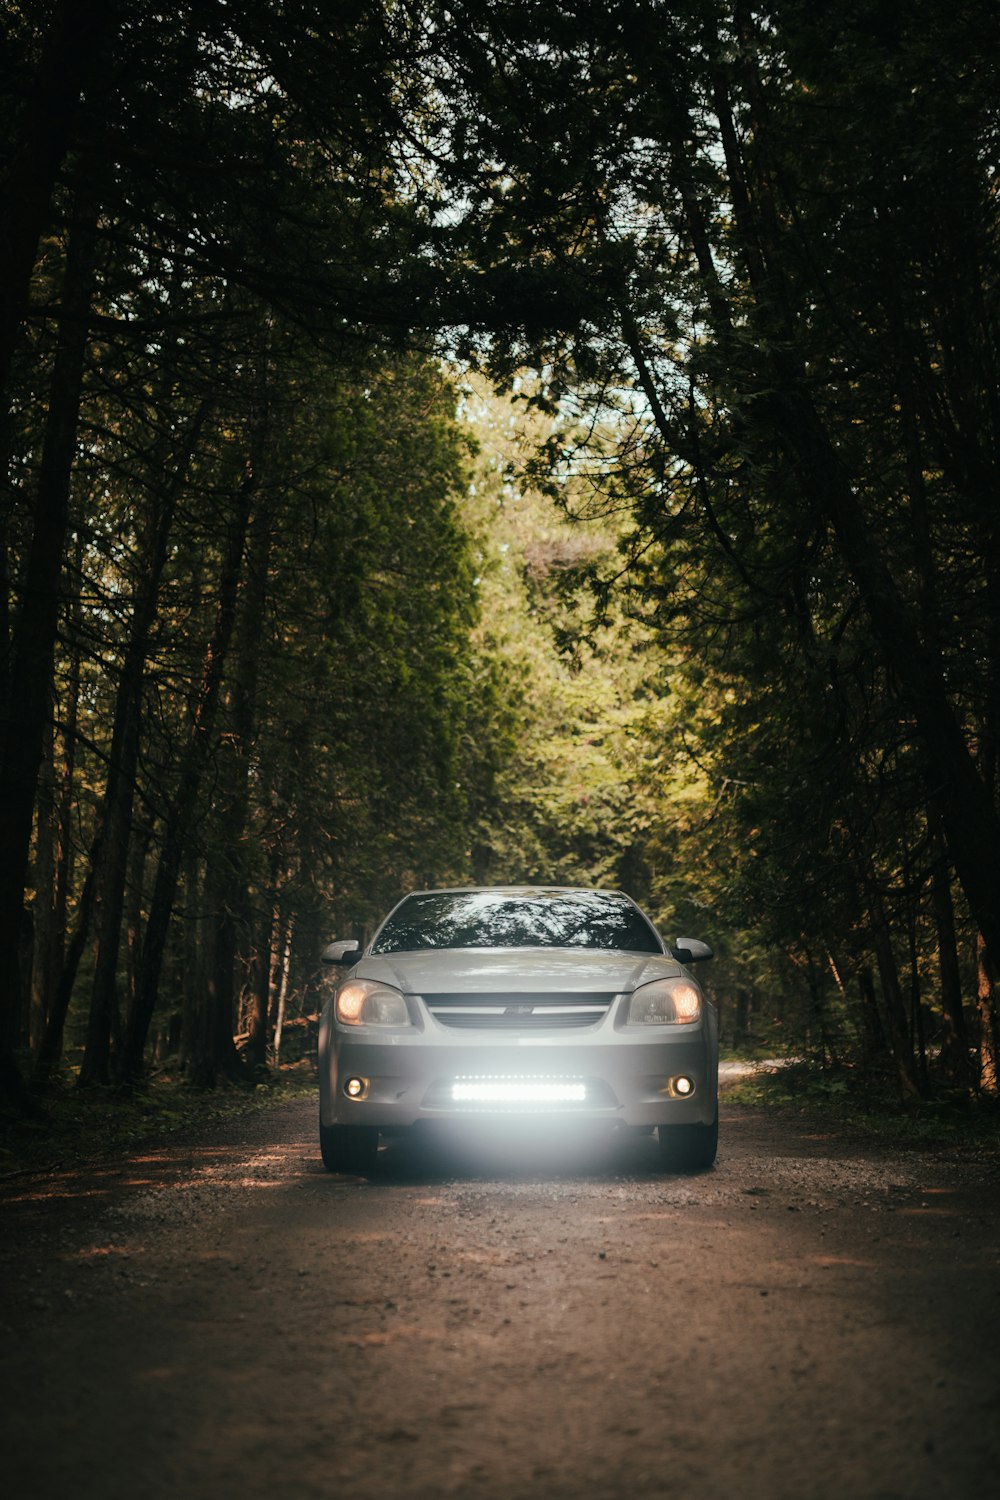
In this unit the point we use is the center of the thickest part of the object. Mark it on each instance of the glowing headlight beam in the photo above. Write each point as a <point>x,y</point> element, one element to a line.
<point>517,1091</point>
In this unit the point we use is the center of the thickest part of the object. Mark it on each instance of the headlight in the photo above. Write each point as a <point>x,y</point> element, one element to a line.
<point>665,1001</point>
<point>365,1002</point>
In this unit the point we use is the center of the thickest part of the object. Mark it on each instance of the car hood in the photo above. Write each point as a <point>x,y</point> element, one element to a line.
<point>446,971</point>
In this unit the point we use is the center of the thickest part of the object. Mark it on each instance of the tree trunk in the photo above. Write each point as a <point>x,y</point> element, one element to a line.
<point>261,987</point>
<point>65,960</point>
<point>194,952</point>
<point>229,872</point>
<point>199,748</point>
<point>213,1051</point>
<point>110,880</point>
<point>285,930</point>
<point>33,646</point>
<point>817,1012</point>
<point>742,1025</point>
<point>900,1041</point>
<point>52,1042</point>
<point>989,1032</point>
<point>116,809</point>
<point>138,851</point>
<point>239,746</point>
<point>955,1058</point>
<point>874,1045</point>
<point>45,880</point>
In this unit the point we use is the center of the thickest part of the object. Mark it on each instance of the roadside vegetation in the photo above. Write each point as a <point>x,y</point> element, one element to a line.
<point>847,1098</point>
<point>82,1126</point>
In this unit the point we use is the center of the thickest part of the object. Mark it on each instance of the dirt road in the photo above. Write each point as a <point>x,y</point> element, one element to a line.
<point>814,1319</point>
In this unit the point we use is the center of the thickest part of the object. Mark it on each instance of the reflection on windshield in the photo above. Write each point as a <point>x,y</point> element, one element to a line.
<point>517,919</point>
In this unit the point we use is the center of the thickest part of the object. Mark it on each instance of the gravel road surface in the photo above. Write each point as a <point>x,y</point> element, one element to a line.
<point>816,1319</point>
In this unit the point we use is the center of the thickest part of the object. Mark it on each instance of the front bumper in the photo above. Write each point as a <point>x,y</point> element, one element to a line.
<point>627,1074</point>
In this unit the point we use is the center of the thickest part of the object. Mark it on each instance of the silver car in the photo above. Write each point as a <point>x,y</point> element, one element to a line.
<point>489,1002</point>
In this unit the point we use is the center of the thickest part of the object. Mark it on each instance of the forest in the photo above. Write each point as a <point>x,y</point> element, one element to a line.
<point>498,441</point>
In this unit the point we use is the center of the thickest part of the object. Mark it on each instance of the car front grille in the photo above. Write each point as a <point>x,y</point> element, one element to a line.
<point>484,1012</point>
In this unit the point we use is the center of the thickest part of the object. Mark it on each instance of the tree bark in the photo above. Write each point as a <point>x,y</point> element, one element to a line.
<point>138,851</point>
<point>284,932</point>
<point>955,1048</point>
<point>193,947</point>
<point>45,958</point>
<point>239,745</point>
<point>989,1039</point>
<point>900,1041</point>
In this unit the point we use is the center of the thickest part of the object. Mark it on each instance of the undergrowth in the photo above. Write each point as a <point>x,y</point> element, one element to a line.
<point>80,1125</point>
<point>857,1097</point>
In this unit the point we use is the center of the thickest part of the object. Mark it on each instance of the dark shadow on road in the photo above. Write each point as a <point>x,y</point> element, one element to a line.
<point>516,1151</point>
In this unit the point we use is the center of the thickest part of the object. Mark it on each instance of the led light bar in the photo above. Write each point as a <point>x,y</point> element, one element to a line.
<point>517,1091</point>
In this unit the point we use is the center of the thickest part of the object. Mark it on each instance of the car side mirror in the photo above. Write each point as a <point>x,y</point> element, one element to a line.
<point>342,953</point>
<point>691,951</point>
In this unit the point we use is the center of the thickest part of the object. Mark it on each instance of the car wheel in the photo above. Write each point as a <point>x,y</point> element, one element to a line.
<point>688,1148</point>
<point>348,1148</point>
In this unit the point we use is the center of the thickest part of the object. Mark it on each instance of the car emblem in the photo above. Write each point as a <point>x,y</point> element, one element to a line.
<point>519,1010</point>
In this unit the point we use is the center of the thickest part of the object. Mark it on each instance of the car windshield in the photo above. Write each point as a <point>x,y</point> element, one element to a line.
<point>517,919</point>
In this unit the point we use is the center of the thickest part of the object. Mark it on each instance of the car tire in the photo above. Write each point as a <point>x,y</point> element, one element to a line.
<point>348,1148</point>
<point>688,1148</point>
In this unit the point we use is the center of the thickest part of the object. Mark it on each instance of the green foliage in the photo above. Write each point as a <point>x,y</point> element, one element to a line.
<point>573,801</point>
<point>850,1099</point>
<point>366,749</point>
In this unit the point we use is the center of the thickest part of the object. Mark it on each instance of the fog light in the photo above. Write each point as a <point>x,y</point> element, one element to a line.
<point>356,1088</point>
<point>683,1086</point>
